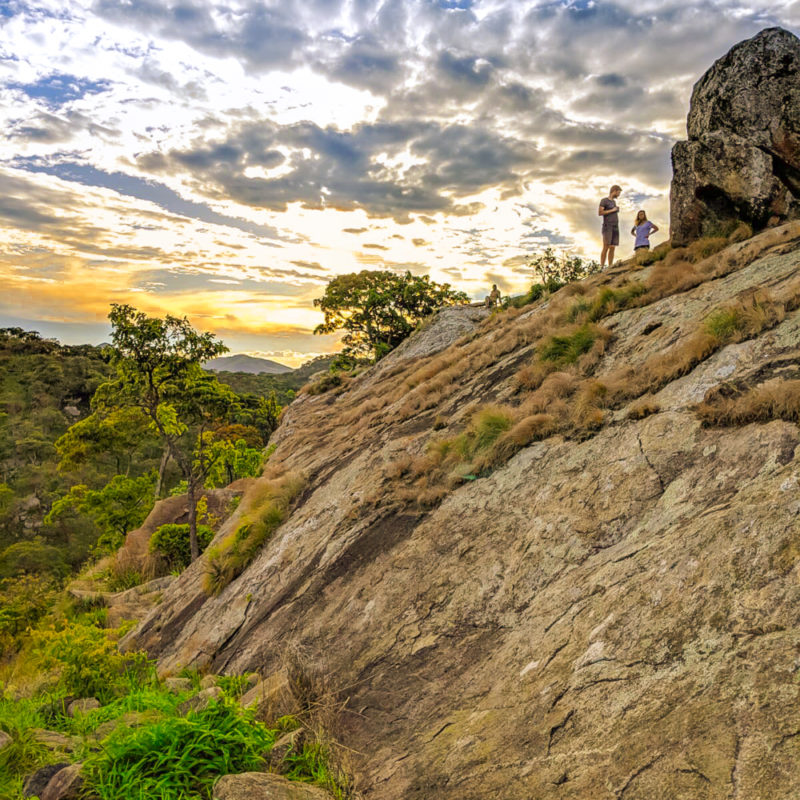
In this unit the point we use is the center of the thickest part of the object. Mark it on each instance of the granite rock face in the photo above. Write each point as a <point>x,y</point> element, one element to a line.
<point>742,157</point>
<point>611,617</point>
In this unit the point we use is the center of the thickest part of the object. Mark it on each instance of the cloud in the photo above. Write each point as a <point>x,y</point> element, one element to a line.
<point>134,186</point>
<point>220,158</point>
<point>263,37</point>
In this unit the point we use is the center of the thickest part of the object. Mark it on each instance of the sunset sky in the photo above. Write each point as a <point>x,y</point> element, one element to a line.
<point>224,160</point>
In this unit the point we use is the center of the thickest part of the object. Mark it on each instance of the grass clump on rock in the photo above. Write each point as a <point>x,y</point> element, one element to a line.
<point>268,507</point>
<point>774,399</point>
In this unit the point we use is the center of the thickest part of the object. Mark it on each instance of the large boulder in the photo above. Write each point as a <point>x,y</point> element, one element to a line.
<point>264,786</point>
<point>742,158</point>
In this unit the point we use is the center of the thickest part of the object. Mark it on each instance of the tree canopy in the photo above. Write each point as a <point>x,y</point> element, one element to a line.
<point>158,366</point>
<point>377,309</point>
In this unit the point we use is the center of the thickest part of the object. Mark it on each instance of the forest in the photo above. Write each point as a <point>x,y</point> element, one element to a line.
<point>74,478</point>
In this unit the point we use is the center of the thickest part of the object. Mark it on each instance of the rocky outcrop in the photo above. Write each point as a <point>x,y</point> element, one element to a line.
<point>613,615</point>
<point>742,158</point>
<point>66,784</point>
<point>82,705</point>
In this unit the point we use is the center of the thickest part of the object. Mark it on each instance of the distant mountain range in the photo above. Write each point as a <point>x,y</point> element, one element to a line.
<point>243,363</point>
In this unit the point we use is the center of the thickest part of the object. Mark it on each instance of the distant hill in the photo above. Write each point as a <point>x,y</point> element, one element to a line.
<point>243,363</point>
<point>284,384</point>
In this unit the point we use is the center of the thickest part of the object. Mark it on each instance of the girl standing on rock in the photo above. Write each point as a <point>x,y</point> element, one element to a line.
<point>642,229</point>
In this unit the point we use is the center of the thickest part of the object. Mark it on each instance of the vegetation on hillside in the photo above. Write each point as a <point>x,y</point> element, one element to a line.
<point>377,310</point>
<point>144,740</point>
<point>285,386</point>
<point>81,464</point>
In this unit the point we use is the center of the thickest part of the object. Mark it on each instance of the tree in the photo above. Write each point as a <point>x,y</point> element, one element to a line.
<point>158,370</point>
<point>378,309</point>
<point>120,506</point>
<point>555,269</point>
<point>233,460</point>
<point>119,438</point>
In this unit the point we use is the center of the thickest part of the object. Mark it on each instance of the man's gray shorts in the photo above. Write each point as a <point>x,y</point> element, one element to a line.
<point>611,235</point>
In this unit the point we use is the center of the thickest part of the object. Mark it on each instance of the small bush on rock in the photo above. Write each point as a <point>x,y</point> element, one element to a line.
<point>171,542</point>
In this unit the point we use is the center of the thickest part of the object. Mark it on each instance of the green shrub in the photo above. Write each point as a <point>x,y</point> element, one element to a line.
<point>536,292</point>
<point>150,697</point>
<point>233,685</point>
<point>24,600</point>
<point>120,578</point>
<point>485,427</point>
<point>87,659</point>
<point>179,757</point>
<point>565,350</point>
<point>32,556</point>
<point>171,542</point>
<point>551,266</point>
<point>268,508</point>
<point>607,301</point>
<point>723,323</point>
<point>646,257</point>
<point>25,754</point>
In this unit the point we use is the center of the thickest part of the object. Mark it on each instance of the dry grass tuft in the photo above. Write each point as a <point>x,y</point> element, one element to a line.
<point>531,376</point>
<point>567,347</point>
<point>532,428</point>
<point>586,412</point>
<point>643,407</point>
<point>775,399</point>
<point>705,247</point>
<point>740,233</point>
<point>675,256</point>
<point>400,466</point>
<point>669,278</point>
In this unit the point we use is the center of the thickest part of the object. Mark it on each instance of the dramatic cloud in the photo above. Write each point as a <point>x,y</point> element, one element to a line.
<point>224,160</point>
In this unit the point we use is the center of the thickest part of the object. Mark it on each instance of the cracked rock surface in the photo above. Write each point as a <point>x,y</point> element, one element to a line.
<point>742,157</point>
<point>617,617</point>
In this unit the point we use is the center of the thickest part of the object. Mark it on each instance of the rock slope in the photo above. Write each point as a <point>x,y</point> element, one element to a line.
<point>611,612</point>
<point>742,158</point>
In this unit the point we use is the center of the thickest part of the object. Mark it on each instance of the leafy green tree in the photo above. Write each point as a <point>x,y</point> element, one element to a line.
<point>120,506</point>
<point>171,542</point>
<point>233,460</point>
<point>117,439</point>
<point>554,269</point>
<point>378,309</point>
<point>157,363</point>
<point>31,556</point>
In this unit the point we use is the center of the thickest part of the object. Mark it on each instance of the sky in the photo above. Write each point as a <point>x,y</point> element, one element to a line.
<point>224,160</point>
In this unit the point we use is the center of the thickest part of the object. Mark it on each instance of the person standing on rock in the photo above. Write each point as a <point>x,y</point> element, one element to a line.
<point>642,228</point>
<point>609,211</point>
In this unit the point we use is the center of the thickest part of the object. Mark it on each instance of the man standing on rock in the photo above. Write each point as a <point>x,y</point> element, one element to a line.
<point>609,211</point>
